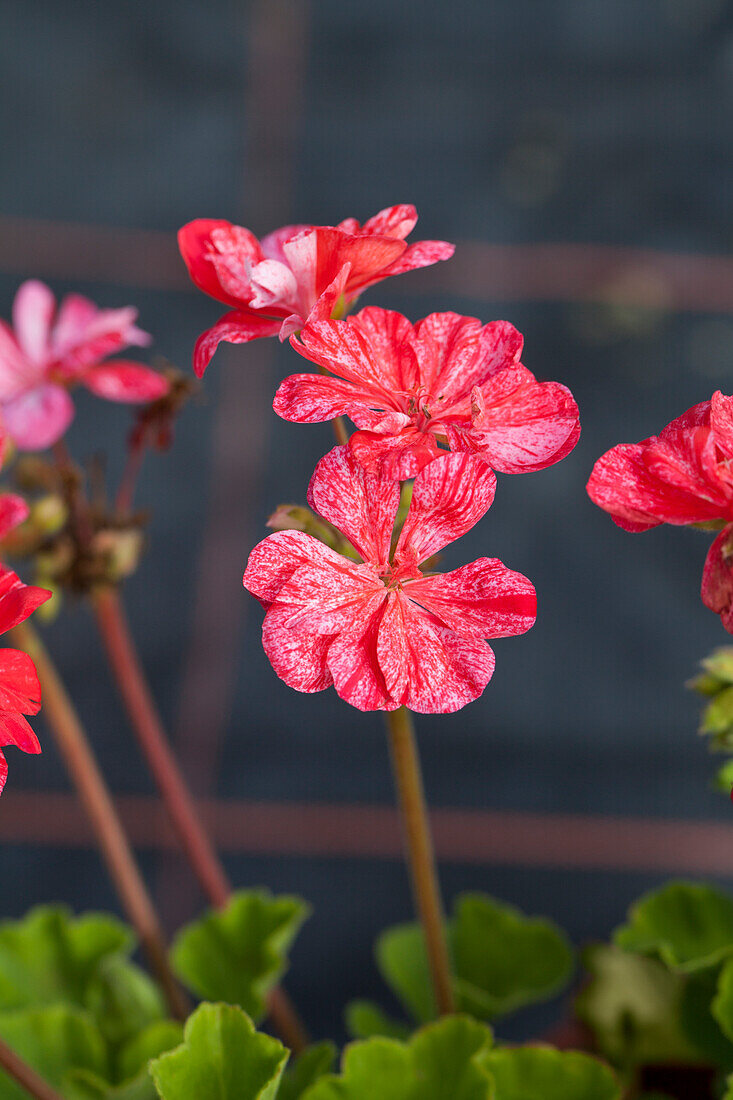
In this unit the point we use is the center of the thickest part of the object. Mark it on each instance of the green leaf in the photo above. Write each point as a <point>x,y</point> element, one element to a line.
<point>699,1023</point>
<point>689,926</point>
<point>123,1000</point>
<point>237,954</point>
<point>50,956</point>
<point>82,1085</point>
<point>54,1040</point>
<point>541,1073</point>
<point>309,1067</point>
<point>155,1040</point>
<point>729,1093</point>
<point>502,960</point>
<point>722,1006</point>
<point>442,1061</point>
<point>633,1006</point>
<point>365,1019</point>
<point>222,1058</point>
<point>717,717</point>
<point>723,781</point>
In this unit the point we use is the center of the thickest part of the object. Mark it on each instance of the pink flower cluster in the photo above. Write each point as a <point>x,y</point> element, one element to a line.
<point>446,402</point>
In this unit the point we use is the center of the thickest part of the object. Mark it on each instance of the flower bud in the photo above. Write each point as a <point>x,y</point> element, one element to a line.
<point>121,550</point>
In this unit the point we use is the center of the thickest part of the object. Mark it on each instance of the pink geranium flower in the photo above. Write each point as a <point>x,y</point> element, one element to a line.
<point>20,692</point>
<point>683,476</point>
<point>381,630</point>
<point>448,379</point>
<point>46,352</point>
<point>297,273</point>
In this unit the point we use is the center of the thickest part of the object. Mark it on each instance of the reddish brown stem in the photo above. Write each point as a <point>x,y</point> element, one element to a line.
<point>126,491</point>
<point>420,853</point>
<point>24,1075</point>
<point>179,802</point>
<point>86,776</point>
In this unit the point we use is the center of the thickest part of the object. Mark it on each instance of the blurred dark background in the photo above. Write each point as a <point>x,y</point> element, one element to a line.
<point>579,154</point>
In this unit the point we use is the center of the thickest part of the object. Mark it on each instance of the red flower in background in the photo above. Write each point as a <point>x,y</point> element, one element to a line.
<point>683,476</point>
<point>297,273</point>
<point>45,352</point>
<point>384,633</point>
<point>20,692</point>
<point>448,378</point>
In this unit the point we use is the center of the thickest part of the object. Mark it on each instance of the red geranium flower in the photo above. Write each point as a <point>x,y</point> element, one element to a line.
<point>20,692</point>
<point>47,352</point>
<point>296,273</point>
<point>384,633</point>
<point>446,379</point>
<point>683,476</point>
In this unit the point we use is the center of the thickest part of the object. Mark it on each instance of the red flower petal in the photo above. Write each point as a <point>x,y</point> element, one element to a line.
<point>33,311</point>
<point>352,661</point>
<point>313,398</point>
<point>235,328</point>
<point>38,418</point>
<point>427,667</point>
<point>16,373</point>
<point>448,350</point>
<point>394,221</point>
<point>127,382</point>
<point>717,578</point>
<point>274,560</point>
<point>19,689</point>
<point>481,600</point>
<point>17,600</point>
<point>370,349</point>
<point>420,254</point>
<point>448,498</point>
<point>399,456</point>
<point>84,335</point>
<point>15,730</point>
<point>721,421</point>
<point>362,506</point>
<point>298,659</point>
<point>368,255</point>
<point>13,511</point>
<point>326,598</point>
<point>196,247</point>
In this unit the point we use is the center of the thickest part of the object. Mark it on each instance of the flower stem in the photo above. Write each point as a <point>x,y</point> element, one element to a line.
<point>84,771</point>
<point>420,854</point>
<point>339,430</point>
<point>24,1075</point>
<point>179,802</point>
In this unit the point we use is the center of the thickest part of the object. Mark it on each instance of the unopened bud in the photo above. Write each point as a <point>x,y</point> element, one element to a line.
<point>121,549</point>
<point>48,515</point>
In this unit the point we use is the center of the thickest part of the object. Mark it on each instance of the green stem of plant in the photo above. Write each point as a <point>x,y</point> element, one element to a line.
<point>85,774</point>
<point>24,1075</point>
<point>184,814</point>
<point>420,853</point>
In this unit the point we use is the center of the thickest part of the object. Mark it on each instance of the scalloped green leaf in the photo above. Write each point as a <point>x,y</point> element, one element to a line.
<point>82,1085</point>
<point>50,955</point>
<point>700,1024</point>
<point>729,1092</point>
<point>315,1062</point>
<point>55,1040</point>
<point>689,926</point>
<point>442,1061</point>
<point>156,1039</point>
<point>722,1005</point>
<point>364,1019</point>
<point>123,999</point>
<point>222,1058</point>
<point>542,1073</point>
<point>502,960</point>
<point>238,953</point>
<point>633,1005</point>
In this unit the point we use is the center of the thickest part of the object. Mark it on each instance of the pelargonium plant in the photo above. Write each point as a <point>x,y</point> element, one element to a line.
<point>355,598</point>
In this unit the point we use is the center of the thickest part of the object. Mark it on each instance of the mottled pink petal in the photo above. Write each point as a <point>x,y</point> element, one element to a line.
<point>84,335</point>
<point>17,600</point>
<point>233,251</point>
<point>196,247</point>
<point>19,688</point>
<point>352,661</point>
<point>39,417</point>
<point>368,255</point>
<point>313,398</point>
<point>16,371</point>
<point>274,560</point>
<point>717,578</point>
<point>370,349</point>
<point>328,300</point>
<point>127,382</point>
<point>363,507</point>
<point>234,328</point>
<point>326,598</point>
<point>448,350</point>
<point>721,421</point>
<point>481,600</point>
<point>448,498</point>
<point>696,417</point>
<point>298,659</point>
<point>401,455</point>
<point>272,244</point>
<point>273,284</point>
<point>420,254</point>
<point>15,730</point>
<point>33,311</point>
<point>427,667</point>
<point>394,221</point>
<point>13,511</point>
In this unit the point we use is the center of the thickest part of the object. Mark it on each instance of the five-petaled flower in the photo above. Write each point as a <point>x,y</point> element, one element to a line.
<point>47,351</point>
<point>297,273</point>
<point>20,692</point>
<point>682,476</point>
<point>447,379</point>
<point>384,633</point>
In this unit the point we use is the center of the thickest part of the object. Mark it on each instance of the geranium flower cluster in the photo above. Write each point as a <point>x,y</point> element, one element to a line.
<point>446,402</point>
<point>683,476</point>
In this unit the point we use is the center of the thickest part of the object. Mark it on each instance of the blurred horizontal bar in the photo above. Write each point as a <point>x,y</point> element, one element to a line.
<point>52,820</point>
<point>638,277</point>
